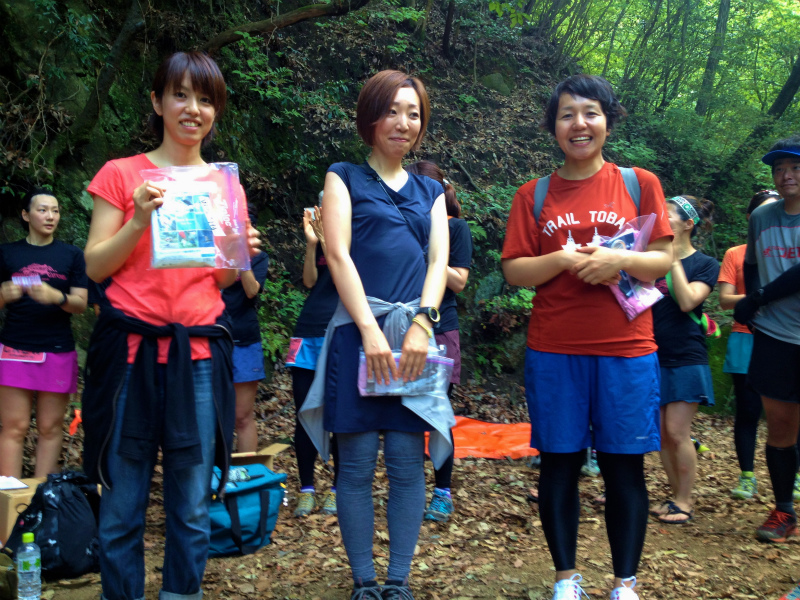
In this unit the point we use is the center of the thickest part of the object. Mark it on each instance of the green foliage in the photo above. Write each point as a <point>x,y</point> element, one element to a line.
<point>401,43</point>
<point>516,12</point>
<point>395,12</point>
<point>277,314</point>
<point>467,99</point>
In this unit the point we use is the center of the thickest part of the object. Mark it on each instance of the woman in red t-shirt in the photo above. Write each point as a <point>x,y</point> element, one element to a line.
<point>586,364</point>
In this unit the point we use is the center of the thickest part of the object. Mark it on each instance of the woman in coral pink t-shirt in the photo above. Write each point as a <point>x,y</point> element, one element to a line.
<point>164,327</point>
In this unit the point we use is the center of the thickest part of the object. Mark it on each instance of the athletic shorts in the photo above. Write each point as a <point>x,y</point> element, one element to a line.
<point>248,363</point>
<point>737,355</point>
<point>452,341</point>
<point>55,372</point>
<point>618,397</point>
<point>691,383</point>
<point>304,352</point>
<point>775,368</point>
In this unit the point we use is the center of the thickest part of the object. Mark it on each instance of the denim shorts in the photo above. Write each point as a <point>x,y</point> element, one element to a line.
<point>248,363</point>
<point>691,383</point>
<point>618,397</point>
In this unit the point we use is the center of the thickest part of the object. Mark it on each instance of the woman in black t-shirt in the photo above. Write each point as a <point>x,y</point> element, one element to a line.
<point>446,330</point>
<point>302,359</point>
<point>685,376</point>
<point>43,284</point>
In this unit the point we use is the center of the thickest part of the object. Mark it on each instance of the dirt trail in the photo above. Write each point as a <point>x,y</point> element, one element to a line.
<point>493,547</point>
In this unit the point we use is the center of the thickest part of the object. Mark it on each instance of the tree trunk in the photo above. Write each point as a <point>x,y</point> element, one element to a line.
<point>422,27</point>
<point>82,128</point>
<point>448,28</point>
<point>312,11</point>
<point>714,56</point>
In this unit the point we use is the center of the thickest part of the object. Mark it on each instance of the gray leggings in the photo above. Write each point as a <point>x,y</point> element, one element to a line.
<point>403,456</point>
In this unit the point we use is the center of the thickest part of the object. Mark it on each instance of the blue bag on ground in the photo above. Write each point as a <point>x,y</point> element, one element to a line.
<point>243,520</point>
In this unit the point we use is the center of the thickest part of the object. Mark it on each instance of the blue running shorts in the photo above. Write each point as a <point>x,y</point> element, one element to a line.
<point>618,397</point>
<point>248,363</point>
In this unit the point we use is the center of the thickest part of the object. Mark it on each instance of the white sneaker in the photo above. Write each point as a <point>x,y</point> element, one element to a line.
<point>568,589</point>
<point>625,592</point>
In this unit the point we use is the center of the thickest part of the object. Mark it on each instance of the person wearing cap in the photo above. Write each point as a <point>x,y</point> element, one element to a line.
<point>772,309</point>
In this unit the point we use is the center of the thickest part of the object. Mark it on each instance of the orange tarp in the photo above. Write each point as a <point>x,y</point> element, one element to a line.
<point>479,439</point>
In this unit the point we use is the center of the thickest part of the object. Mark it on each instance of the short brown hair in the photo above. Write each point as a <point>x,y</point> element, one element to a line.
<point>204,75</point>
<point>377,96</point>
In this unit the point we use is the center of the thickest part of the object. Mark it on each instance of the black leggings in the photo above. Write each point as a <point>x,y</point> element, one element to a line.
<point>443,476</point>
<point>626,507</point>
<point>303,446</point>
<point>745,425</point>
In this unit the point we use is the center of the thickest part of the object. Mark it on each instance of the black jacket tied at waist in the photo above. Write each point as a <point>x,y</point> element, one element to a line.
<point>146,423</point>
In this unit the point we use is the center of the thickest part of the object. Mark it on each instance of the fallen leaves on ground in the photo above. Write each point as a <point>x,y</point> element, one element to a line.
<point>493,547</point>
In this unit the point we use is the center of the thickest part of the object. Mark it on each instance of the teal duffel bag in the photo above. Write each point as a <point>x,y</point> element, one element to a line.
<point>243,520</point>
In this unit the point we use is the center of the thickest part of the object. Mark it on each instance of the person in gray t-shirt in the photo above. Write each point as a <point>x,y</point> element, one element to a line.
<point>772,310</point>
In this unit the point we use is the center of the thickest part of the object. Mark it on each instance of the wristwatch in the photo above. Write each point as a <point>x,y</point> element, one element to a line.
<point>63,299</point>
<point>429,311</point>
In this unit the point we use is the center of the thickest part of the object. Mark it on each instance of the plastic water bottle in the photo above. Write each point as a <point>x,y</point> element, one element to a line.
<point>29,569</point>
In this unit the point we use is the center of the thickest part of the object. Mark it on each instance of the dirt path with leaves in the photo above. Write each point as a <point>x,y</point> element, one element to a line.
<point>493,547</point>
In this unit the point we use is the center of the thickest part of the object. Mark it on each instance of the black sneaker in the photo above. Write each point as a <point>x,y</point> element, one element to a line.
<point>396,592</point>
<point>367,591</point>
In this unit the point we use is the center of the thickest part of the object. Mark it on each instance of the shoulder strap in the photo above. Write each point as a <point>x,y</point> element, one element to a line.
<point>628,176</point>
<point>539,193</point>
<point>632,185</point>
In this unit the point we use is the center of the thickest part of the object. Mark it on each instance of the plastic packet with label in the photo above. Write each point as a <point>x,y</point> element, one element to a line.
<point>634,296</point>
<point>435,377</point>
<point>202,222</point>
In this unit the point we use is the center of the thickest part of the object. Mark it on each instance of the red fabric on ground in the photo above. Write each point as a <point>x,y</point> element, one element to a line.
<point>479,439</point>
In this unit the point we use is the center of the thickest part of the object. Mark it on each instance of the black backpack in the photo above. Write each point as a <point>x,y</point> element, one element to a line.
<point>62,516</point>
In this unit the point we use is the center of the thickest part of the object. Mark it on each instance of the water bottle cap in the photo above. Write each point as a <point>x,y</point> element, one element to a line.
<point>27,538</point>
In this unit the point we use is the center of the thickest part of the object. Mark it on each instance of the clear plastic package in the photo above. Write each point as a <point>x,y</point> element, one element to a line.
<point>634,296</point>
<point>434,379</point>
<point>202,222</point>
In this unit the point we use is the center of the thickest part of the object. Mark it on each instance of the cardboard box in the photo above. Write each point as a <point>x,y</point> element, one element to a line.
<point>265,456</point>
<point>13,502</point>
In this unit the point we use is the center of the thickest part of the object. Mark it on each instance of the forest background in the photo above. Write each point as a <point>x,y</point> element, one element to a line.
<point>708,84</point>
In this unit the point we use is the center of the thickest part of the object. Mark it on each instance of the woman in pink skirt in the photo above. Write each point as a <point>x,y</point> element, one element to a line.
<point>43,284</point>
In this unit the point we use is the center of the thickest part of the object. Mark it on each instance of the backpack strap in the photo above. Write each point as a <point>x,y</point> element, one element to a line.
<point>539,193</point>
<point>628,177</point>
<point>632,185</point>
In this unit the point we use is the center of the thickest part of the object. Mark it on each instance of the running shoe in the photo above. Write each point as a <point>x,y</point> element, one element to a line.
<point>440,508</point>
<point>329,504</point>
<point>569,589</point>
<point>625,592</point>
<point>370,591</point>
<point>793,595</point>
<point>306,503</point>
<point>699,446</point>
<point>796,491</point>
<point>779,527</point>
<point>747,488</point>
<point>590,468</point>
<point>396,592</point>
